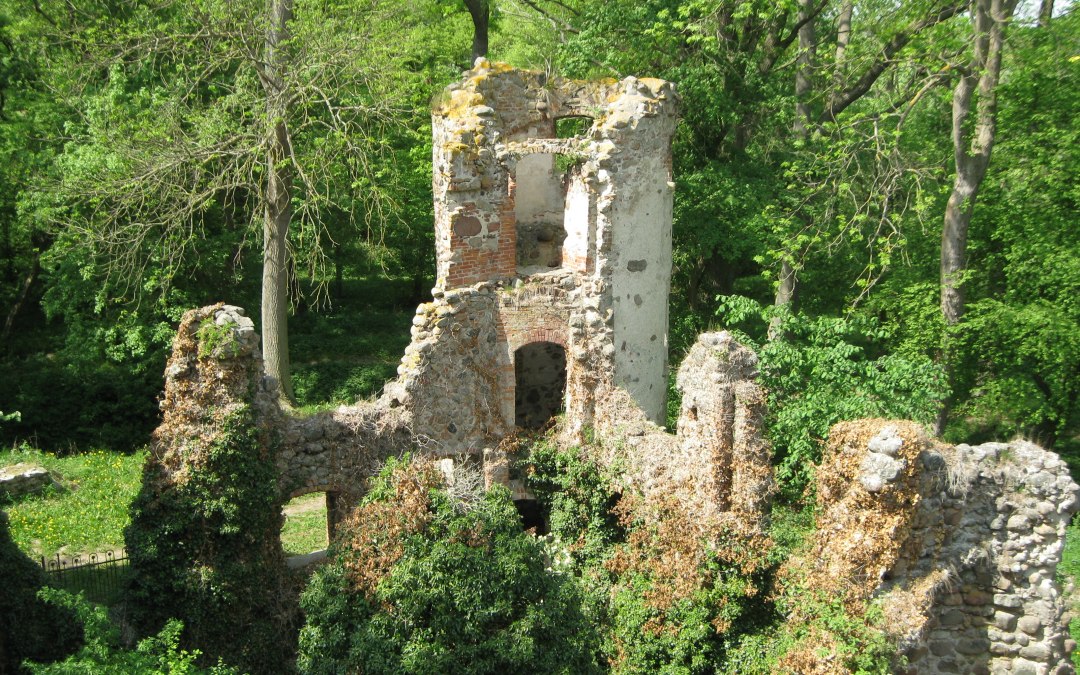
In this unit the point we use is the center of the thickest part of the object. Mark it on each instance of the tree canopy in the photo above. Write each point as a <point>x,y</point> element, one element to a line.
<point>154,152</point>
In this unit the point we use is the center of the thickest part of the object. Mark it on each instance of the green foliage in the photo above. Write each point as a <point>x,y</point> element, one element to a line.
<point>827,370</point>
<point>1017,351</point>
<point>102,652</point>
<point>29,627</point>
<point>78,402</point>
<point>87,514</point>
<point>204,548</point>
<point>347,352</point>
<point>661,598</point>
<point>1069,571</point>
<point>578,500</point>
<point>1025,359</point>
<point>469,593</point>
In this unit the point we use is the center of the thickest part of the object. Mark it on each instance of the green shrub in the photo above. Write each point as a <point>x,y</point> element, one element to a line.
<point>204,547</point>
<point>665,595</point>
<point>103,653</point>
<point>29,628</point>
<point>420,582</point>
<point>78,404</point>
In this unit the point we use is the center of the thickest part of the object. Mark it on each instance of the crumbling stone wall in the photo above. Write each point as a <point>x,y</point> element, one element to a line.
<point>717,462</point>
<point>960,546</point>
<point>995,515</point>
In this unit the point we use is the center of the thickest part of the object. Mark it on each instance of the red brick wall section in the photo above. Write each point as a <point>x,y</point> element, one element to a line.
<point>473,265</point>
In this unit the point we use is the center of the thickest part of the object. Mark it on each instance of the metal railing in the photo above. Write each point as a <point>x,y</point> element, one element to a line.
<point>100,576</point>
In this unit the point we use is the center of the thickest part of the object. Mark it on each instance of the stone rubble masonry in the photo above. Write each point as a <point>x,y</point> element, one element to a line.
<point>959,544</point>
<point>496,167</point>
<point>717,462</point>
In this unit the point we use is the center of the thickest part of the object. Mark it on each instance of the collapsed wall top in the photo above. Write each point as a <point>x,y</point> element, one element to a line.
<point>534,172</point>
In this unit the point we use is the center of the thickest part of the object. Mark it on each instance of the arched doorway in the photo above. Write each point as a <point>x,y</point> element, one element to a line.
<point>540,383</point>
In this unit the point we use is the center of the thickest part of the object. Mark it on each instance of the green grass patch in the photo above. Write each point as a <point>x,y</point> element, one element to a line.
<point>1069,570</point>
<point>305,524</point>
<point>86,514</point>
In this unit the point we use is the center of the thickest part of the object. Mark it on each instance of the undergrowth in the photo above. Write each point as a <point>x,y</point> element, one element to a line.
<point>670,594</point>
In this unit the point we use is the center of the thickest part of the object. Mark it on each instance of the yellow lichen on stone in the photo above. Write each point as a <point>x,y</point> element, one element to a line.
<point>458,104</point>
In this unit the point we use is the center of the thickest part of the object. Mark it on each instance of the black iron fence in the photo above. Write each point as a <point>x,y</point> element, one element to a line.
<point>100,576</point>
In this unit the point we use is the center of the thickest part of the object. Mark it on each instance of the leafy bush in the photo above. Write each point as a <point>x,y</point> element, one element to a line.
<point>79,404</point>
<point>826,370</point>
<point>29,628</point>
<point>420,582</point>
<point>1021,368</point>
<point>666,595</point>
<point>102,652</point>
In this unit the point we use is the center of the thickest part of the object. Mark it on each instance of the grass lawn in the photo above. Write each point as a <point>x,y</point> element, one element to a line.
<point>86,514</point>
<point>1069,569</point>
<point>305,524</point>
<point>89,512</point>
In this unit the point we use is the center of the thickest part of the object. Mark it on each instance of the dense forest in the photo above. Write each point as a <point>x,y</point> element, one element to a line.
<point>878,196</point>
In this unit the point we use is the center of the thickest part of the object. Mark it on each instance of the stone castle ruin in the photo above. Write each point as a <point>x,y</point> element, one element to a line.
<point>553,211</point>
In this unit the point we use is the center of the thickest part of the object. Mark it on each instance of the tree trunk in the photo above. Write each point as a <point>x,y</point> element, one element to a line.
<point>785,297</point>
<point>972,145</point>
<point>478,10</point>
<point>24,292</point>
<point>277,212</point>
<point>804,63</point>
<point>1046,12</point>
<point>843,39</point>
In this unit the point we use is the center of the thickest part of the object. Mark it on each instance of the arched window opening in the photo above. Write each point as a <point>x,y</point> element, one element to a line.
<point>540,383</point>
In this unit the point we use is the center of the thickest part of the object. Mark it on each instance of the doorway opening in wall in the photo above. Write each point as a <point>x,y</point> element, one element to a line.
<point>532,515</point>
<point>540,384</point>
<point>305,529</point>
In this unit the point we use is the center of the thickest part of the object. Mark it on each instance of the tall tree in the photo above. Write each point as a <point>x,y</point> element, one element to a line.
<point>265,115</point>
<point>278,203</point>
<point>973,141</point>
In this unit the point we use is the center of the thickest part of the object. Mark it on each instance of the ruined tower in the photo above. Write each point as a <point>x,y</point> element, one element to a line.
<point>559,193</point>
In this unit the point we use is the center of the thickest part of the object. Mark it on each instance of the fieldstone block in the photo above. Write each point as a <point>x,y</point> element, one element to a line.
<point>23,479</point>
